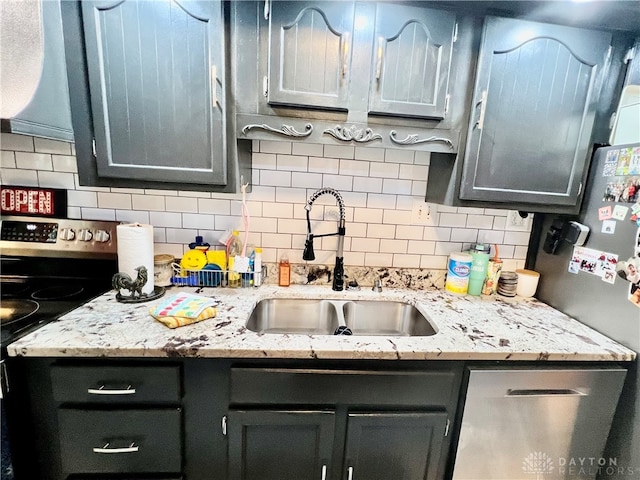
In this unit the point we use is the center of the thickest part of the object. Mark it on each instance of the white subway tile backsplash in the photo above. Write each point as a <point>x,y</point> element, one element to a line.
<point>357,168</point>
<point>263,161</point>
<point>268,146</point>
<point>401,260</point>
<point>466,235</point>
<point>98,214</point>
<point>306,180</point>
<point>34,161</point>
<point>292,163</point>
<point>422,158</point>
<point>134,216</point>
<point>165,219</point>
<point>121,201</point>
<point>516,238</point>
<point>381,201</point>
<point>452,219</point>
<point>17,143</point>
<point>409,232</point>
<point>324,165</point>
<point>479,221</point>
<point>45,145</point>
<point>275,178</point>
<point>398,187</point>
<point>181,204</point>
<point>12,176</point>
<point>64,163</point>
<point>339,182</point>
<point>434,262</point>
<point>399,156</point>
<point>215,206</point>
<point>66,181</point>
<point>367,153</point>
<point>78,198</point>
<point>307,149</point>
<point>414,172</point>
<point>421,247</point>
<point>446,248</point>
<point>393,246</point>
<point>154,203</point>
<point>376,230</point>
<point>7,159</point>
<point>379,259</point>
<point>384,170</point>
<point>379,187</point>
<point>339,151</point>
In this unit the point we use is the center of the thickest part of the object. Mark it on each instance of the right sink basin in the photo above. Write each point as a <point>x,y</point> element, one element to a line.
<point>324,317</point>
<point>386,318</point>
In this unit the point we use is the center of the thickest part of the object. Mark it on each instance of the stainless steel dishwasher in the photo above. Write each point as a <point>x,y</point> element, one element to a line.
<point>534,424</point>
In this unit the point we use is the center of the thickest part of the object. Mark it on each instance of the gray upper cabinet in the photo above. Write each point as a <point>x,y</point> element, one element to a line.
<point>411,62</point>
<point>156,79</point>
<point>537,87</point>
<point>48,114</point>
<point>371,73</point>
<point>309,53</point>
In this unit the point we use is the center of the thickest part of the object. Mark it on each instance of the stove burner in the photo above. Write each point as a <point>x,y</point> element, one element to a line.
<point>14,289</point>
<point>14,310</point>
<point>57,292</point>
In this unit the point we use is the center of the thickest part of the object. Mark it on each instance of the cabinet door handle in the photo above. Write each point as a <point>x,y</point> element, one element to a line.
<point>132,448</point>
<point>102,390</point>
<point>214,86</point>
<point>350,473</point>
<point>544,392</point>
<point>324,472</point>
<point>483,107</point>
<point>345,53</point>
<point>380,53</point>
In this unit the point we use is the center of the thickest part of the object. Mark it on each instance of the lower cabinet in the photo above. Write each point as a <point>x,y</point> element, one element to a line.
<point>299,445</point>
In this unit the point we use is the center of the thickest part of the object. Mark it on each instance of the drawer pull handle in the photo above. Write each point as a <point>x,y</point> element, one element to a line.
<point>102,390</point>
<point>324,472</point>
<point>132,448</point>
<point>545,392</point>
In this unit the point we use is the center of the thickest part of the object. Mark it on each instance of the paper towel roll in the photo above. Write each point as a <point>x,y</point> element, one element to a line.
<point>135,249</point>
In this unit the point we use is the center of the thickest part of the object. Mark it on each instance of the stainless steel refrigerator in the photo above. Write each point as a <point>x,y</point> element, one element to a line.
<point>597,282</point>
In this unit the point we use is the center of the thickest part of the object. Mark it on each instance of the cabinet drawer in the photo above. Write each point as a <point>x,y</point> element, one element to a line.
<point>328,387</point>
<point>124,441</point>
<point>116,385</point>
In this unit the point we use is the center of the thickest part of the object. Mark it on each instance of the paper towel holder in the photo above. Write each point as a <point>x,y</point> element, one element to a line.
<point>123,281</point>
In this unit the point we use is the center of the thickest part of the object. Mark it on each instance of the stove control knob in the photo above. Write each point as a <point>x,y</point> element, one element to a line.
<point>85,235</point>
<point>66,234</point>
<point>101,236</point>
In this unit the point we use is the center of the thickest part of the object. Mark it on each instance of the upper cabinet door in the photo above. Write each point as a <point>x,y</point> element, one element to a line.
<point>535,99</point>
<point>309,53</point>
<point>156,80</point>
<point>411,61</point>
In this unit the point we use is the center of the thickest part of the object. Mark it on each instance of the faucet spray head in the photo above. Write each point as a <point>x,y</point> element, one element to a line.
<point>308,253</point>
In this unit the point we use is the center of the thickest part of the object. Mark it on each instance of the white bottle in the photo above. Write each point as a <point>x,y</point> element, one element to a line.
<point>257,267</point>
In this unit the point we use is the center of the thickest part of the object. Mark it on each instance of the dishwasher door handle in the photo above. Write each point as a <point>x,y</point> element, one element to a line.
<point>545,392</point>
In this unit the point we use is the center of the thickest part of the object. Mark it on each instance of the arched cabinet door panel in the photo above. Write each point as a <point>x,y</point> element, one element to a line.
<point>411,61</point>
<point>310,48</point>
<point>156,80</point>
<point>533,111</point>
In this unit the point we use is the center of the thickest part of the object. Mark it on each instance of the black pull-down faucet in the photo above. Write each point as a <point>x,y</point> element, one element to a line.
<point>338,271</point>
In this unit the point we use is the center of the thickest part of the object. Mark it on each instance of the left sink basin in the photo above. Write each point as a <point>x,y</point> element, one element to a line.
<point>301,316</point>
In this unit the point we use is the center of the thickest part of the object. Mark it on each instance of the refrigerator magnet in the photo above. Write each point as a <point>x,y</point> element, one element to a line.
<point>620,212</point>
<point>609,227</point>
<point>610,163</point>
<point>605,213</point>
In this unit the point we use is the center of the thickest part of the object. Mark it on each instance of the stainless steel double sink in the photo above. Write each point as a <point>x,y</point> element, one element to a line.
<point>329,317</point>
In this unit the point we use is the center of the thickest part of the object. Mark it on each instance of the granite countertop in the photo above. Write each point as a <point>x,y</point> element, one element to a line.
<point>469,328</point>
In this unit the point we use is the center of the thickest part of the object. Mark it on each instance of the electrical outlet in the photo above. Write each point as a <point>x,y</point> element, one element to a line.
<point>421,212</point>
<point>516,223</point>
